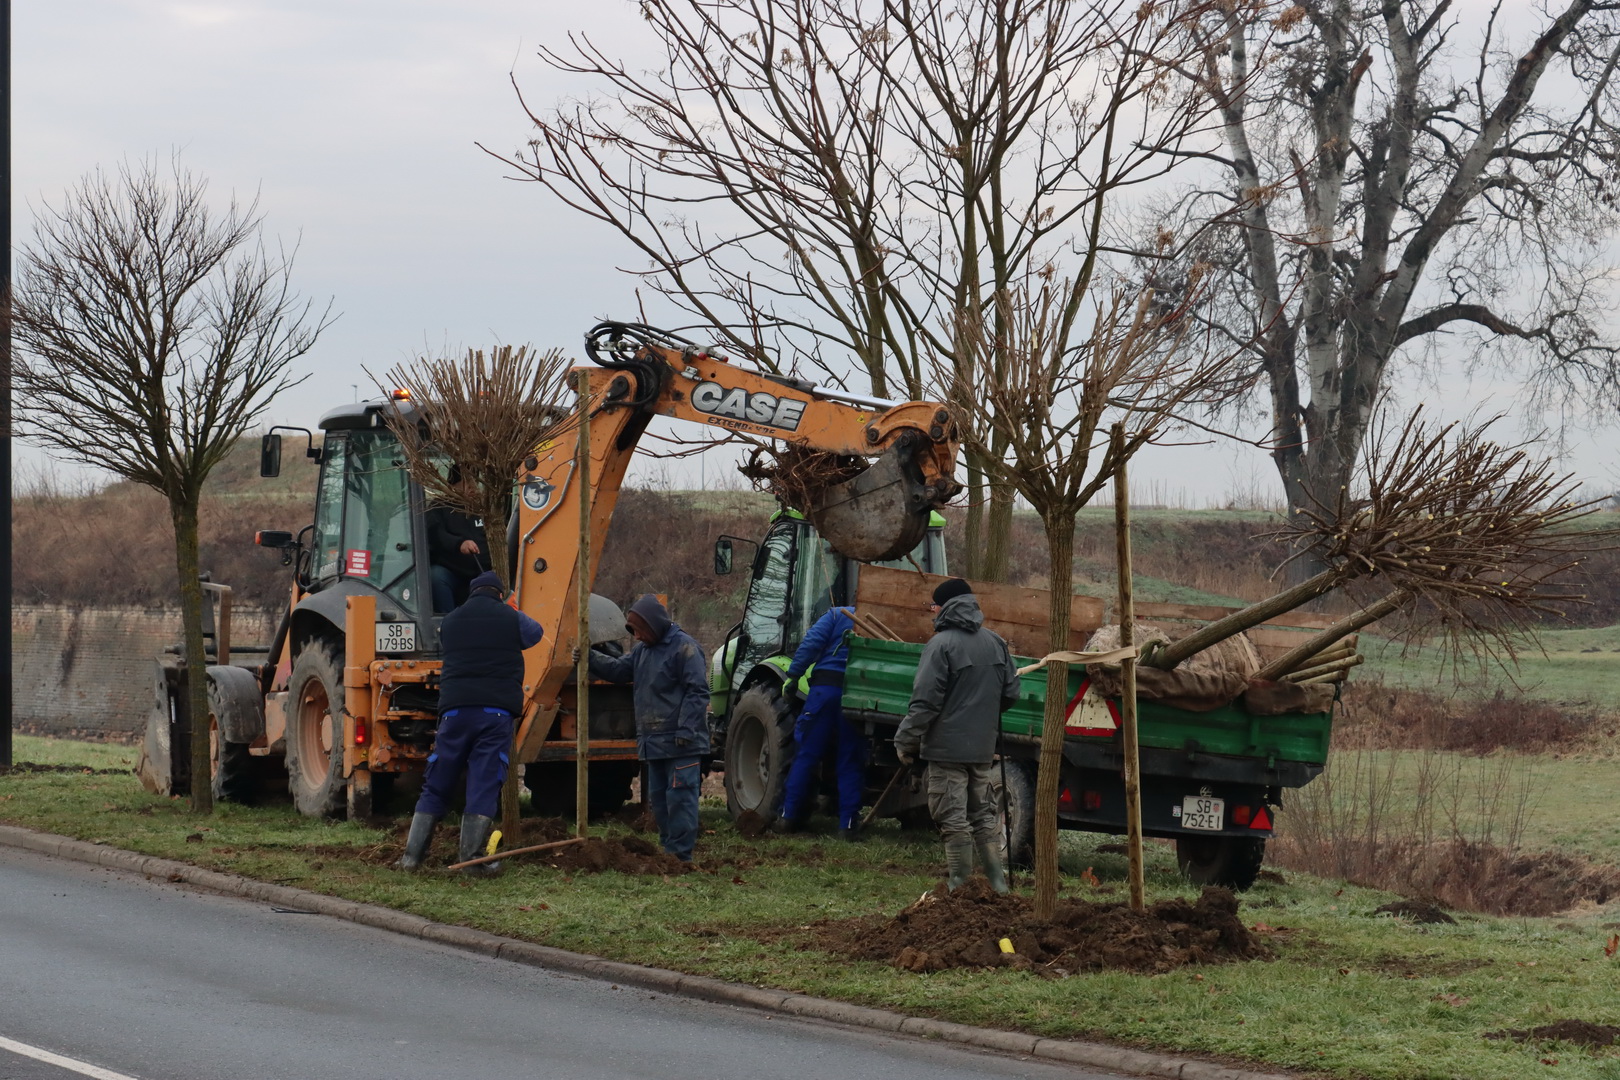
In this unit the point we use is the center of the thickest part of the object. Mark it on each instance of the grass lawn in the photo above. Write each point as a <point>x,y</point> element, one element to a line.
<point>1580,669</point>
<point>1350,994</point>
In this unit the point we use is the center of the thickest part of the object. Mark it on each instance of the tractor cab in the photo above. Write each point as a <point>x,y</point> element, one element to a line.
<point>797,577</point>
<point>369,536</point>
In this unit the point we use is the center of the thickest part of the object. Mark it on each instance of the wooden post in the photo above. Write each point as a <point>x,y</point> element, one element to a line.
<point>1127,701</point>
<point>582,669</point>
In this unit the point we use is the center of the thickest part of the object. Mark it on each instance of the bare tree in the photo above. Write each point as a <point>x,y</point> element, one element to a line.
<point>152,333</point>
<point>1401,175</point>
<point>821,179</point>
<point>1074,360</point>
<point>483,414</point>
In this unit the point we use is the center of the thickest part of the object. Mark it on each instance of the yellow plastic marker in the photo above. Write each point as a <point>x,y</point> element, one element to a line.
<point>1006,946</point>
<point>494,843</point>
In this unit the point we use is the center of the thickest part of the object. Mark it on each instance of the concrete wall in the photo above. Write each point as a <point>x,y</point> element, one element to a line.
<point>89,671</point>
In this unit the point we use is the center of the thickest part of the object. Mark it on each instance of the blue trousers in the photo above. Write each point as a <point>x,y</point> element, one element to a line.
<point>672,794</point>
<point>449,588</point>
<point>478,740</point>
<point>821,728</point>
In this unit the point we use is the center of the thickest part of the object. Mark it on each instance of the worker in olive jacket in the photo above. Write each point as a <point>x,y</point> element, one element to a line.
<point>672,717</point>
<point>965,680</point>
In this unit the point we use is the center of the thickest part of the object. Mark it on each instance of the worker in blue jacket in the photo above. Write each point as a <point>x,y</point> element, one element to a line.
<point>822,727</point>
<point>671,700</point>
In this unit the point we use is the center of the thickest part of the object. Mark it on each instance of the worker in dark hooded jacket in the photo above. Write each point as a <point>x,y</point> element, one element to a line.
<point>672,726</point>
<point>480,691</point>
<point>965,680</point>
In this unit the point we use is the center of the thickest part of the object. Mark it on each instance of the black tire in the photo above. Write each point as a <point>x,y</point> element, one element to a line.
<point>1232,861</point>
<point>1017,813</point>
<point>314,711</point>
<point>551,787</point>
<point>237,773</point>
<point>759,750</point>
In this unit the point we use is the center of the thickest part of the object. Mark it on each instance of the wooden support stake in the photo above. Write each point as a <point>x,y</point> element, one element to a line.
<point>582,669</point>
<point>516,851</point>
<point>1127,700</point>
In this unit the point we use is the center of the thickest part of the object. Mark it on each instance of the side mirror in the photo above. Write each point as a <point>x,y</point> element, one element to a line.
<point>270,455</point>
<point>273,538</point>
<point>722,555</point>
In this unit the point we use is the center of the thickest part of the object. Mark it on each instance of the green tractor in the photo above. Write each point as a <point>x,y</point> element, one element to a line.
<point>796,578</point>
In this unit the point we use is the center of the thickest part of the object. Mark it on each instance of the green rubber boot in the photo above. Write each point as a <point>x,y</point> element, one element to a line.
<point>990,859</point>
<point>958,862</point>
<point>475,830</point>
<point>416,844</point>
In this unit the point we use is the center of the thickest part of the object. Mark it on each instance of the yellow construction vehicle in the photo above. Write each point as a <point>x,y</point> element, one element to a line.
<point>345,698</point>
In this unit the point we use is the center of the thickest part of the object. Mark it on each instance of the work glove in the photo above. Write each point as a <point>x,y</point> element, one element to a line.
<point>907,757</point>
<point>791,693</point>
<point>574,657</point>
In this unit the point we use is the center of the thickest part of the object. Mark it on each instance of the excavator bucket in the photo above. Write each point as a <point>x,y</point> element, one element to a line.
<point>882,513</point>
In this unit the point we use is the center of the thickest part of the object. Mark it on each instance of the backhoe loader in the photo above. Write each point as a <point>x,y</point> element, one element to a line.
<point>344,701</point>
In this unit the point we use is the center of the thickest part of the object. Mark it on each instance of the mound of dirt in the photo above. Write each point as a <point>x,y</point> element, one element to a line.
<point>752,825</point>
<point>965,928</point>
<point>1419,911</point>
<point>1580,1032</point>
<point>630,855</point>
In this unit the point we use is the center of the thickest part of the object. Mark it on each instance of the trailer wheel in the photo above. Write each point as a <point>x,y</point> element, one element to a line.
<point>1017,813</point>
<point>315,731</point>
<point>235,719</point>
<point>1233,861</point>
<point>759,749</point>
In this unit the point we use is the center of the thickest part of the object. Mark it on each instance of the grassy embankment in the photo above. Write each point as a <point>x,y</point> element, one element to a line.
<point>1350,994</point>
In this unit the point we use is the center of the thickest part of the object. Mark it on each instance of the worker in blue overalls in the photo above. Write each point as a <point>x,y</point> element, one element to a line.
<point>822,727</point>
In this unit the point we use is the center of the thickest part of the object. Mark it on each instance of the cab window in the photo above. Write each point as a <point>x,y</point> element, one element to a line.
<point>329,513</point>
<point>765,617</point>
<point>378,546</point>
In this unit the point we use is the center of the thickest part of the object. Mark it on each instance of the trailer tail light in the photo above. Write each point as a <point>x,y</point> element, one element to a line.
<point>1241,815</point>
<point>1262,820</point>
<point>1066,799</point>
<point>1091,800</point>
<point>361,733</point>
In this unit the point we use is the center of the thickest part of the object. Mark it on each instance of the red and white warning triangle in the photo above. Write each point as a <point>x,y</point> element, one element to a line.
<point>1089,713</point>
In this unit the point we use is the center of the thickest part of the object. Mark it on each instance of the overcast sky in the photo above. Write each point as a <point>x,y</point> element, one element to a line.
<point>355,122</point>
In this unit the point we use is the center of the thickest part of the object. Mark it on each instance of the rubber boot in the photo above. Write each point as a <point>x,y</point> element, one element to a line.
<point>990,859</point>
<point>416,844</point>
<point>475,830</point>
<point>958,862</point>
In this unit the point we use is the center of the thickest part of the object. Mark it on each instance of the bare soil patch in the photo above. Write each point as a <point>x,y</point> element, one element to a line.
<point>1579,1032</point>
<point>965,928</point>
<point>1419,911</point>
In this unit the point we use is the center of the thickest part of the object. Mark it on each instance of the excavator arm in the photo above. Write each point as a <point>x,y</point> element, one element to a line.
<point>877,513</point>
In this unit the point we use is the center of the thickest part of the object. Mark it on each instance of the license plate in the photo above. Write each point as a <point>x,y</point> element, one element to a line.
<point>396,637</point>
<point>1203,812</point>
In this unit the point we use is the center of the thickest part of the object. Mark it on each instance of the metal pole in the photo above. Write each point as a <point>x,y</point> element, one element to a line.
<point>5,384</point>
<point>1127,700</point>
<point>582,670</point>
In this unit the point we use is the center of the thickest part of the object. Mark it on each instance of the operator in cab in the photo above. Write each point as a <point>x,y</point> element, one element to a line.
<point>821,727</point>
<point>458,550</point>
<point>672,717</point>
<point>965,680</point>
<point>480,691</point>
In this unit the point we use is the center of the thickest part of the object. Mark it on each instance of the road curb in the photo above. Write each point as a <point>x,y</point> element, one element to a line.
<point>1073,1052</point>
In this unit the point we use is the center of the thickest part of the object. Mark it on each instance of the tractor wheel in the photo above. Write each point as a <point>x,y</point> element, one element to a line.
<point>759,749</point>
<point>1016,817</point>
<point>315,731</point>
<point>1233,861</point>
<point>234,719</point>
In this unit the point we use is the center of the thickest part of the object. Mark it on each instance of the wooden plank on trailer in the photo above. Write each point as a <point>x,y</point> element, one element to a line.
<point>1302,620</point>
<point>899,600</point>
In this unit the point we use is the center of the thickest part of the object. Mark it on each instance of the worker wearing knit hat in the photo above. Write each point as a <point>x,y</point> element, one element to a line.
<point>948,588</point>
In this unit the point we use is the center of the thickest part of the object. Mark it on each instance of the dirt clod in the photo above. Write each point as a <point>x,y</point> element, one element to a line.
<point>751,824</point>
<point>1419,911</point>
<point>1580,1032</point>
<point>965,928</point>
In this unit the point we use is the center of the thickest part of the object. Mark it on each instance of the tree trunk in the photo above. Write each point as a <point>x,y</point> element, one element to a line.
<point>1048,781</point>
<point>997,535</point>
<point>183,513</point>
<point>973,530</point>
<point>1239,621</point>
<point>1346,626</point>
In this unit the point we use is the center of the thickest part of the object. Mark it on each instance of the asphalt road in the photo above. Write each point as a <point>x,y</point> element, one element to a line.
<point>141,979</point>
